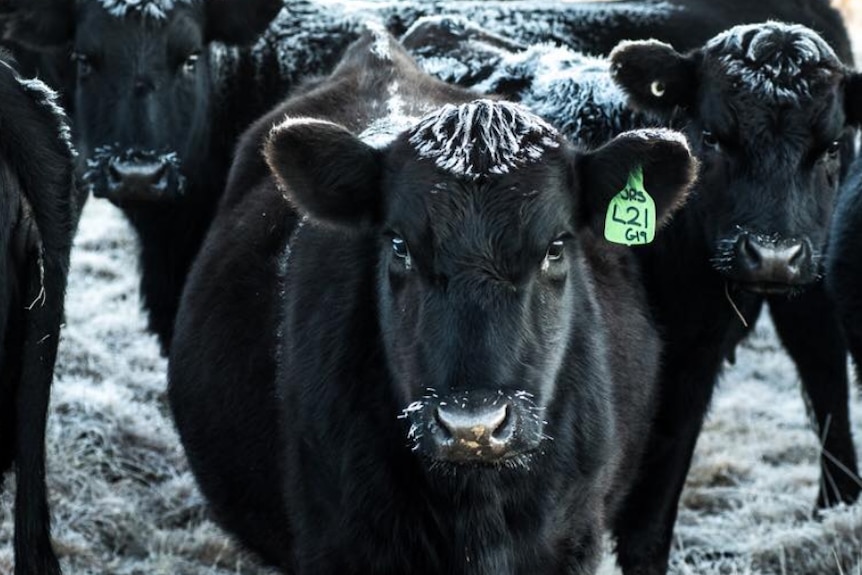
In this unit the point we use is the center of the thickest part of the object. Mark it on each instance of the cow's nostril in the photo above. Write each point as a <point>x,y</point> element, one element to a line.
<point>114,175</point>
<point>749,251</point>
<point>797,255</point>
<point>506,428</point>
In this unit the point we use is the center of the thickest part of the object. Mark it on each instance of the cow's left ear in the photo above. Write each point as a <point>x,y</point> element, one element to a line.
<point>326,172</point>
<point>655,77</point>
<point>853,99</point>
<point>239,22</point>
<point>637,168</point>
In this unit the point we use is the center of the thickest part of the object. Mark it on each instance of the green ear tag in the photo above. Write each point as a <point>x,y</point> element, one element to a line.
<point>631,213</point>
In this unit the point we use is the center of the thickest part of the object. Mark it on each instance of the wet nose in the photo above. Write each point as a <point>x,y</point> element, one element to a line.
<point>764,261</point>
<point>129,178</point>
<point>476,433</point>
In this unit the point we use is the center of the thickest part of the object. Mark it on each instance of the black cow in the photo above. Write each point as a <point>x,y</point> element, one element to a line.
<point>465,365</point>
<point>766,107</point>
<point>844,256</point>
<point>159,100</point>
<point>36,225</point>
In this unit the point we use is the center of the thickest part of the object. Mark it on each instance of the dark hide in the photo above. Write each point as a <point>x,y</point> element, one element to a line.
<point>844,261</point>
<point>769,128</point>
<point>36,223</point>
<point>345,456</point>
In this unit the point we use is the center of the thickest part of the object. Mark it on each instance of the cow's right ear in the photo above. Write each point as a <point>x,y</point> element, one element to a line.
<point>853,99</point>
<point>656,162</point>
<point>37,25</point>
<point>656,78</point>
<point>325,171</point>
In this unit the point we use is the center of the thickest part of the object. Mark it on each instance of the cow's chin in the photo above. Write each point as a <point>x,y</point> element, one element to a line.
<point>767,288</point>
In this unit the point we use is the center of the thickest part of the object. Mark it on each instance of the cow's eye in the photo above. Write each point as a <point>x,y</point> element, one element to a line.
<point>556,250</point>
<point>85,64</point>
<point>190,64</point>
<point>400,251</point>
<point>834,149</point>
<point>710,140</point>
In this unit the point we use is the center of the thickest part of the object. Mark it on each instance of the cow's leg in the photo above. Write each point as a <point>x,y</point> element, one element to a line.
<point>809,329</point>
<point>33,552</point>
<point>644,525</point>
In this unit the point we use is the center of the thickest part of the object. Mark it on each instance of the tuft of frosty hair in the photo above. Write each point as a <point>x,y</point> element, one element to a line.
<point>155,9</point>
<point>49,100</point>
<point>784,62</point>
<point>482,138</point>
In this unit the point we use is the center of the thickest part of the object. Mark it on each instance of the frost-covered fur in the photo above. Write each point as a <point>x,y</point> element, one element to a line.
<point>156,9</point>
<point>482,138</point>
<point>786,62</point>
<point>572,91</point>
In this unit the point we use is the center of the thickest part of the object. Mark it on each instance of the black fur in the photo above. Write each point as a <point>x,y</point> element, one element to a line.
<point>340,310</point>
<point>36,226</point>
<point>844,263</point>
<point>771,161</point>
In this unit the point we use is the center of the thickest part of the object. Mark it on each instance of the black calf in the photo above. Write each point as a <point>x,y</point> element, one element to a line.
<point>445,390</point>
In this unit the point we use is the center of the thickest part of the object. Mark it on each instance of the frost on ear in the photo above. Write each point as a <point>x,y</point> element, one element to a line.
<point>853,99</point>
<point>660,159</point>
<point>655,77</point>
<point>325,171</point>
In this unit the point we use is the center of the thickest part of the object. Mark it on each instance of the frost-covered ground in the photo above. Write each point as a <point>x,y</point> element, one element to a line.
<point>124,502</point>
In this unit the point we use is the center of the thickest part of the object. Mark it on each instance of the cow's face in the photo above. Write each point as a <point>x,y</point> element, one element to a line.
<point>483,213</point>
<point>763,106</point>
<point>144,85</point>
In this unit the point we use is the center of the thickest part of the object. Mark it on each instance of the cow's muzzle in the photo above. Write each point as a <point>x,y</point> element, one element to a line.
<point>475,427</point>
<point>769,265</point>
<point>135,176</point>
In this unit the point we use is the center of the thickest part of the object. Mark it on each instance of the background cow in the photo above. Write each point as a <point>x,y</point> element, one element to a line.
<point>378,91</point>
<point>159,100</point>
<point>36,224</point>
<point>764,106</point>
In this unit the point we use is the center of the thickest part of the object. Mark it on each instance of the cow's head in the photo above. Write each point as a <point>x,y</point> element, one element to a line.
<point>767,108</point>
<point>145,73</point>
<point>483,213</point>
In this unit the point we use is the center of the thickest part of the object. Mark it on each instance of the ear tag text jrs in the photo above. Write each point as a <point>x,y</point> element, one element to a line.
<point>631,214</point>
